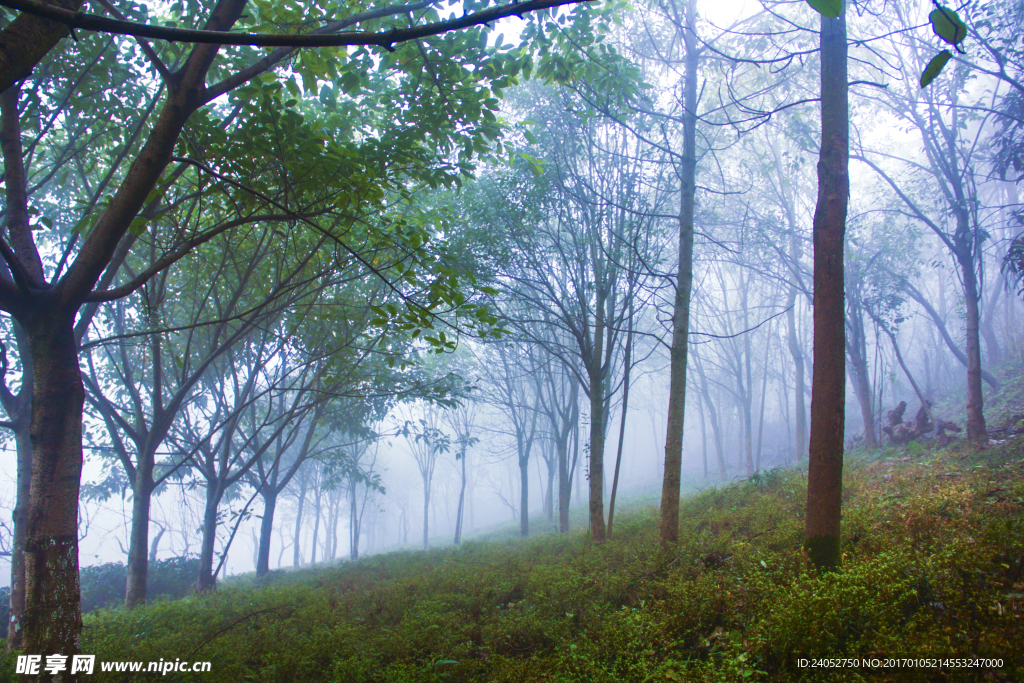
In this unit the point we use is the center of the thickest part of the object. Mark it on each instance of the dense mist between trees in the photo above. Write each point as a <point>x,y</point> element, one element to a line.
<point>268,307</point>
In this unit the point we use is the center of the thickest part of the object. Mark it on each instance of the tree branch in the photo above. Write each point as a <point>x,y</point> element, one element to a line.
<point>385,39</point>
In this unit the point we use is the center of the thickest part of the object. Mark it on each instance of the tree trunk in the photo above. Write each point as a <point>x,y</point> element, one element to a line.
<point>524,494</point>
<point>426,512</point>
<point>297,550</point>
<point>138,540</point>
<point>15,625</point>
<point>976,430</point>
<point>828,384</point>
<point>799,387</point>
<point>597,527</point>
<point>266,530</point>
<point>857,351</point>
<point>627,366</point>
<point>206,579</point>
<point>668,524</point>
<point>353,525</point>
<point>53,619</point>
<point>462,502</point>
<point>318,500</point>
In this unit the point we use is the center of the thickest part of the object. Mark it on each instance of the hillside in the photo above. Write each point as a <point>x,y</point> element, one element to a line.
<point>933,567</point>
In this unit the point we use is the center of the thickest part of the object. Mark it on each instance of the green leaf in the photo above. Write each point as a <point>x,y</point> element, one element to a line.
<point>935,67</point>
<point>947,25</point>
<point>827,8</point>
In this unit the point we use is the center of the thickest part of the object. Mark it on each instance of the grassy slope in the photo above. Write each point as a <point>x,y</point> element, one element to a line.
<point>934,565</point>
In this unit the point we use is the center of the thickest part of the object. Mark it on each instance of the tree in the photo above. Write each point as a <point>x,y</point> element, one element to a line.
<point>45,295</point>
<point>828,383</point>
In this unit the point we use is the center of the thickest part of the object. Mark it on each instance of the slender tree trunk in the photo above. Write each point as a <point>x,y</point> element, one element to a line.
<point>317,503</point>
<point>269,495</point>
<point>206,580</point>
<point>627,366</point>
<point>426,512</point>
<point>799,386</point>
<point>297,549</point>
<point>764,392</point>
<point>857,351</point>
<point>828,384</point>
<point>462,502</point>
<point>154,545</point>
<point>597,526</point>
<point>524,493</point>
<point>976,430</point>
<point>562,446</point>
<point>668,524</point>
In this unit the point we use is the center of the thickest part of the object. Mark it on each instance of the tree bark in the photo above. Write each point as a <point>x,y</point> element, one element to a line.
<point>668,524</point>
<point>828,384</point>
<point>976,430</point>
<point>799,386</point>
<point>138,542</point>
<point>206,580</point>
<point>23,444</point>
<point>627,366</point>
<point>53,619</point>
<point>269,495</point>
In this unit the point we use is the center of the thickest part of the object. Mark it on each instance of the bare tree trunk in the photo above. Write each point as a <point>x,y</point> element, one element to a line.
<point>269,495</point>
<point>828,384</point>
<point>317,502</point>
<point>297,550</point>
<point>52,618</point>
<point>627,366</point>
<point>426,512</point>
<point>799,386</point>
<point>764,391</point>
<point>976,430</point>
<point>138,542</point>
<point>668,524</point>
<point>15,625</point>
<point>207,580</point>
<point>462,502</point>
<point>154,546</point>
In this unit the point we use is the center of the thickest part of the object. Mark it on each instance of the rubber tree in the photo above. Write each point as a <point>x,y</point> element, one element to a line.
<point>828,380</point>
<point>46,298</point>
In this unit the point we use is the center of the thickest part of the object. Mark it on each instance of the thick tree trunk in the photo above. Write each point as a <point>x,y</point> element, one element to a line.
<point>668,524</point>
<point>138,538</point>
<point>269,496</point>
<point>52,618</point>
<point>828,384</point>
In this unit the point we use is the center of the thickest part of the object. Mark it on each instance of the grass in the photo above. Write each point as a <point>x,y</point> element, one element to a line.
<point>933,567</point>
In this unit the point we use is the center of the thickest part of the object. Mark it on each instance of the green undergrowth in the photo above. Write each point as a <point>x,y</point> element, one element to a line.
<point>932,567</point>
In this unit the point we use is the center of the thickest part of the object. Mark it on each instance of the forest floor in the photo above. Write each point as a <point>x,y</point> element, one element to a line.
<point>933,568</point>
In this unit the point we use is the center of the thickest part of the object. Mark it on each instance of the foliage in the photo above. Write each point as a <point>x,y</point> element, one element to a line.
<point>933,565</point>
<point>103,584</point>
